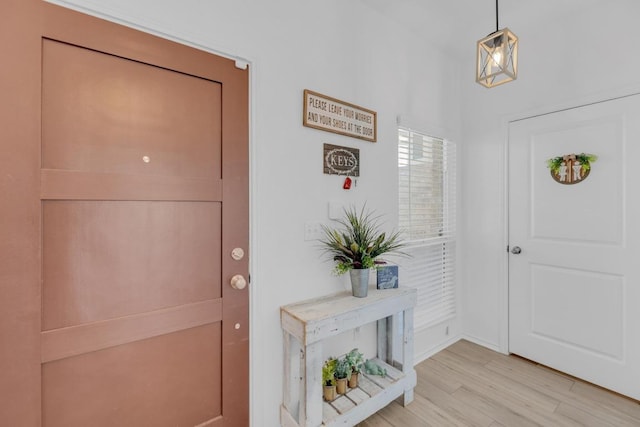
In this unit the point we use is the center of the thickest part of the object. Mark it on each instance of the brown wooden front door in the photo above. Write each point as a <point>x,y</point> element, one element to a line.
<point>125,193</point>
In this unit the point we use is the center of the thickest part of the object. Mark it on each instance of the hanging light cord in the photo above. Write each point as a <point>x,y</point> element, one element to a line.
<point>497,27</point>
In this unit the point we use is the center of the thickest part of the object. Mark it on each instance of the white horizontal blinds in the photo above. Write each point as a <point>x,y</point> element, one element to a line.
<point>427,216</point>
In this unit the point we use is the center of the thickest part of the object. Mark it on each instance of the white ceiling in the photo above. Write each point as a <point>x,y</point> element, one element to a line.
<point>458,24</point>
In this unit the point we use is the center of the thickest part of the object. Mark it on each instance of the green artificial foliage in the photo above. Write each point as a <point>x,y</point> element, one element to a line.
<point>355,360</point>
<point>328,372</point>
<point>554,164</point>
<point>342,369</point>
<point>359,242</point>
<point>586,160</point>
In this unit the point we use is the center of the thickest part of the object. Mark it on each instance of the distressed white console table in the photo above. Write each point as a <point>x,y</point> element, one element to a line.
<point>306,324</point>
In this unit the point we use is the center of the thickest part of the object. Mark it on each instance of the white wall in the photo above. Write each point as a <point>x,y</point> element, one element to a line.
<point>584,57</point>
<point>341,49</point>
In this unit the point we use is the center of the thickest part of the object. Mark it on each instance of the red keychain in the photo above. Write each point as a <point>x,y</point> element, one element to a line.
<point>347,183</point>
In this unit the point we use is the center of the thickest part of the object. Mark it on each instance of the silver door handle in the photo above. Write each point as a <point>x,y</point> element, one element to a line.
<point>516,250</point>
<point>238,282</point>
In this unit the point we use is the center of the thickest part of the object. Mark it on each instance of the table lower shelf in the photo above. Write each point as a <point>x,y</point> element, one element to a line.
<point>373,393</point>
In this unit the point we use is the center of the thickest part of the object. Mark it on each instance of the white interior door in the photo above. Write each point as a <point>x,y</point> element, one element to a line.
<point>574,289</point>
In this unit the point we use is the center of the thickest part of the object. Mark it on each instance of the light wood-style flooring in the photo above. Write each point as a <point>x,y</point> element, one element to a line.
<point>469,385</point>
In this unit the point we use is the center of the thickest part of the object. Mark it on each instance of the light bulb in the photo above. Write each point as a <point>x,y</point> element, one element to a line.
<point>496,57</point>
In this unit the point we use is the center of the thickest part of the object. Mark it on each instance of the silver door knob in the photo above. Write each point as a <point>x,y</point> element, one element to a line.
<point>516,250</point>
<point>238,282</point>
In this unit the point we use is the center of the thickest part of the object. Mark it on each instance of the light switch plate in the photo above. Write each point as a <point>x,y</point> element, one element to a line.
<point>312,231</point>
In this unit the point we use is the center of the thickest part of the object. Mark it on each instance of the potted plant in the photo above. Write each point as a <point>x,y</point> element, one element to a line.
<point>329,380</point>
<point>342,374</point>
<point>356,361</point>
<point>356,246</point>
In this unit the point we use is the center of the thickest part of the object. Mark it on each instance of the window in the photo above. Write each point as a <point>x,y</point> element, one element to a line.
<point>427,214</point>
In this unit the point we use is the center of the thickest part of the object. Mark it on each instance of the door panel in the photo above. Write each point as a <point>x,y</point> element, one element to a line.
<point>170,380</point>
<point>131,191</point>
<point>552,217</point>
<point>103,113</point>
<point>574,287</point>
<point>579,308</point>
<point>105,259</point>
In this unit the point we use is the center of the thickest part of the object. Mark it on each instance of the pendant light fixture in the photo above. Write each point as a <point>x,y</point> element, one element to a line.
<point>497,60</point>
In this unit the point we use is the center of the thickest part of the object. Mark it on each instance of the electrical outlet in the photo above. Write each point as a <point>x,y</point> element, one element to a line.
<point>312,231</point>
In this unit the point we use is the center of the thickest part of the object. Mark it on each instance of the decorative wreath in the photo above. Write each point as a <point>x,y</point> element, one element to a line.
<point>584,159</point>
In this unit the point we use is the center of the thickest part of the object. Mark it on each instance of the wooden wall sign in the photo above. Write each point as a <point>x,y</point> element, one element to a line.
<point>571,168</point>
<point>341,160</point>
<point>332,115</point>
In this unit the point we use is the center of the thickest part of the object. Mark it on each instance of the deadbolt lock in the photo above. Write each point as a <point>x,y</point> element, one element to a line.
<point>237,254</point>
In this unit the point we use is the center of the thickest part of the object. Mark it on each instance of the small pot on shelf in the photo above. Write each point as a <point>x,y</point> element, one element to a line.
<point>353,381</point>
<point>342,374</point>
<point>355,359</point>
<point>329,392</point>
<point>328,379</point>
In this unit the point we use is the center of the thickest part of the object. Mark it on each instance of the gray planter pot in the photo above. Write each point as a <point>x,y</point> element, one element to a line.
<point>359,282</point>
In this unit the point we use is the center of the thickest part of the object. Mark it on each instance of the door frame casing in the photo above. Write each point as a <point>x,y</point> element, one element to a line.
<point>20,385</point>
<point>596,98</point>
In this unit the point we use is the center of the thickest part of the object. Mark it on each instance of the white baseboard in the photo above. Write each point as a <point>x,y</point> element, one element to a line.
<point>482,343</point>
<point>424,355</point>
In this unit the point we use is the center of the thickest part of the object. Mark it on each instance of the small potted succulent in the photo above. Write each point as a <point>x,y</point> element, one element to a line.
<point>342,374</point>
<point>356,246</point>
<point>356,362</point>
<point>329,380</point>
